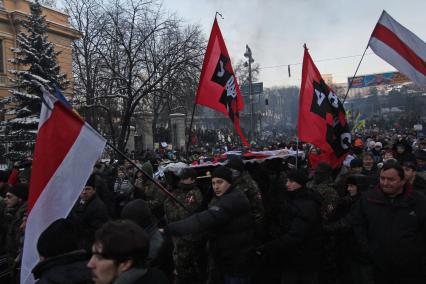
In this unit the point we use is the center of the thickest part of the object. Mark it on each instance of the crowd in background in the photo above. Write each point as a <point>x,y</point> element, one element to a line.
<point>282,220</point>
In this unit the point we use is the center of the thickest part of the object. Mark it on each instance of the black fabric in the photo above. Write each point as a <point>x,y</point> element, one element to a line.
<point>419,184</point>
<point>70,268</point>
<point>223,173</point>
<point>298,176</point>
<point>298,243</point>
<point>230,228</point>
<point>152,276</point>
<point>20,190</point>
<point>58,238</point>
<point>87,217</point>
<point>137,211</point>
<point>236,163</point>
<point>91,181</point>
<point>393,232</point>
<point>356,163</point>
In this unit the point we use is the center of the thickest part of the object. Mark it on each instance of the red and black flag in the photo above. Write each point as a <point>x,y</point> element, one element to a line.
<point>218,88</point>
<point>322,119</point>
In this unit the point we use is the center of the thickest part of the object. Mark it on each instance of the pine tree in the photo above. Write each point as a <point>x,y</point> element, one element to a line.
<point>36,62</point>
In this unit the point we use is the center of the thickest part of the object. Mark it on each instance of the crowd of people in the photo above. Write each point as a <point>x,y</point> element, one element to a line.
<point>280,220</point>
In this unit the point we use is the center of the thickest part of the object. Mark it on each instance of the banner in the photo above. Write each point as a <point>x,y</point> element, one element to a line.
<point>322,118</point>
<point>218,88</point>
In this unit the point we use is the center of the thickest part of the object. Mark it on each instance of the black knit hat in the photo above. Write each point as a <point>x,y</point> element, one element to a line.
<point>20,190</point>
<point>298,176</point>
<point>411,164</point>
<point>138,212</point>
<point>356,163</point>
<point>236,163</point>
<point>59,238</point>
<point>223,173</point>
<point>91,181</point>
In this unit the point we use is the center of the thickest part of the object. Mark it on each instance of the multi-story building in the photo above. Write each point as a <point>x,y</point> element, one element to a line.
<point>60,33</point>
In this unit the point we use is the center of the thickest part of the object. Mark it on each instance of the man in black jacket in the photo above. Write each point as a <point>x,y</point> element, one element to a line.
<point>230,227</point>
<point>297,247</point>
<point>60,261</point>
<point>88,214</point>
<point>119,255</point>
<point>390,226</point>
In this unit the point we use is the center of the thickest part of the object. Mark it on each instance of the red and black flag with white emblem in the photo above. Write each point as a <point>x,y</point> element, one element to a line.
<point>218,88</point>
<point>322,118</point>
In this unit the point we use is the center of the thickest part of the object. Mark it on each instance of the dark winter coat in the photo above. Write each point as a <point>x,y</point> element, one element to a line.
<point>419,184</point>
<point>298,244</point>
<point>142,275</point>
<point>15,235</point>
<point>87,217</point>
<point>70,268</point>
<point>373,175</point>
<point>230,227</point>
<point>393,232</point>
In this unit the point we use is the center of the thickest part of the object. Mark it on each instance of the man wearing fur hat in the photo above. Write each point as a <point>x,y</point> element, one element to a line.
<point>88,214</point>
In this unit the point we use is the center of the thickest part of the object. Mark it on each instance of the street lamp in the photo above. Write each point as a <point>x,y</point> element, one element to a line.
<point>248,55</point>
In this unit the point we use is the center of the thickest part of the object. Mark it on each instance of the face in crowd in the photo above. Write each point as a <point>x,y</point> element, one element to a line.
<point>87,193</point>
<point>352,189</point>
<point>391,182</point>
<point>367,161</point>
<point>220,186</point>
<point>11,200</point>
<point>292,185</point>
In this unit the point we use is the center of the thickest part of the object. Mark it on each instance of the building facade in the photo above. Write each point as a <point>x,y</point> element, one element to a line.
<point>60,33</point>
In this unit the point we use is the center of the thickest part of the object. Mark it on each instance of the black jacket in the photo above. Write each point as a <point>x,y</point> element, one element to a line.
<point>87,217</point>
<point>70,268</point>
<point>393,231</point>
<point>419,184</point>
<point>299,242</point>
<point>230,227</point>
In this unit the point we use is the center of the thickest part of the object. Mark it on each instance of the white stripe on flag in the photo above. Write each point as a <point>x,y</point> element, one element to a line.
<point>60,194</point>
<point>416,44</point>
<point>399,62</point>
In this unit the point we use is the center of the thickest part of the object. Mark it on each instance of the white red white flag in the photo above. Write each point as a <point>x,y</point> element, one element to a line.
<point>400,48</point>
<point>65,152</point>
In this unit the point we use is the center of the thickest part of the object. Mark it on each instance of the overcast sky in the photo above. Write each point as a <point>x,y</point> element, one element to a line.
<point>276,30</point>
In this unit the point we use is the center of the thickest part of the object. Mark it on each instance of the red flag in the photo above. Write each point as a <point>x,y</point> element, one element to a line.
<point>218,88</point>
<point>322,120</point>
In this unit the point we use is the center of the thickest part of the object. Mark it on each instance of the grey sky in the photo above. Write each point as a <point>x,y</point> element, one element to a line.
<point>276,30</point>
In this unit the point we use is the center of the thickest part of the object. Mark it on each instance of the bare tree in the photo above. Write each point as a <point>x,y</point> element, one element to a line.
<point>132,58</point>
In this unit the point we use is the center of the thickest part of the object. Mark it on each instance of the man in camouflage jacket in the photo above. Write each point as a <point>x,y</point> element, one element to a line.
<point>188,250</point>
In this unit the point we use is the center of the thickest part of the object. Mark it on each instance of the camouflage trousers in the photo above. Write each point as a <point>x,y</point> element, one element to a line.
<point>188,259</point>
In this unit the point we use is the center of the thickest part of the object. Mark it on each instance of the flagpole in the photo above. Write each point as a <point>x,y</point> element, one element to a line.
<point>351,82</point>
<point>297,150</point>
<point>190,130</point>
